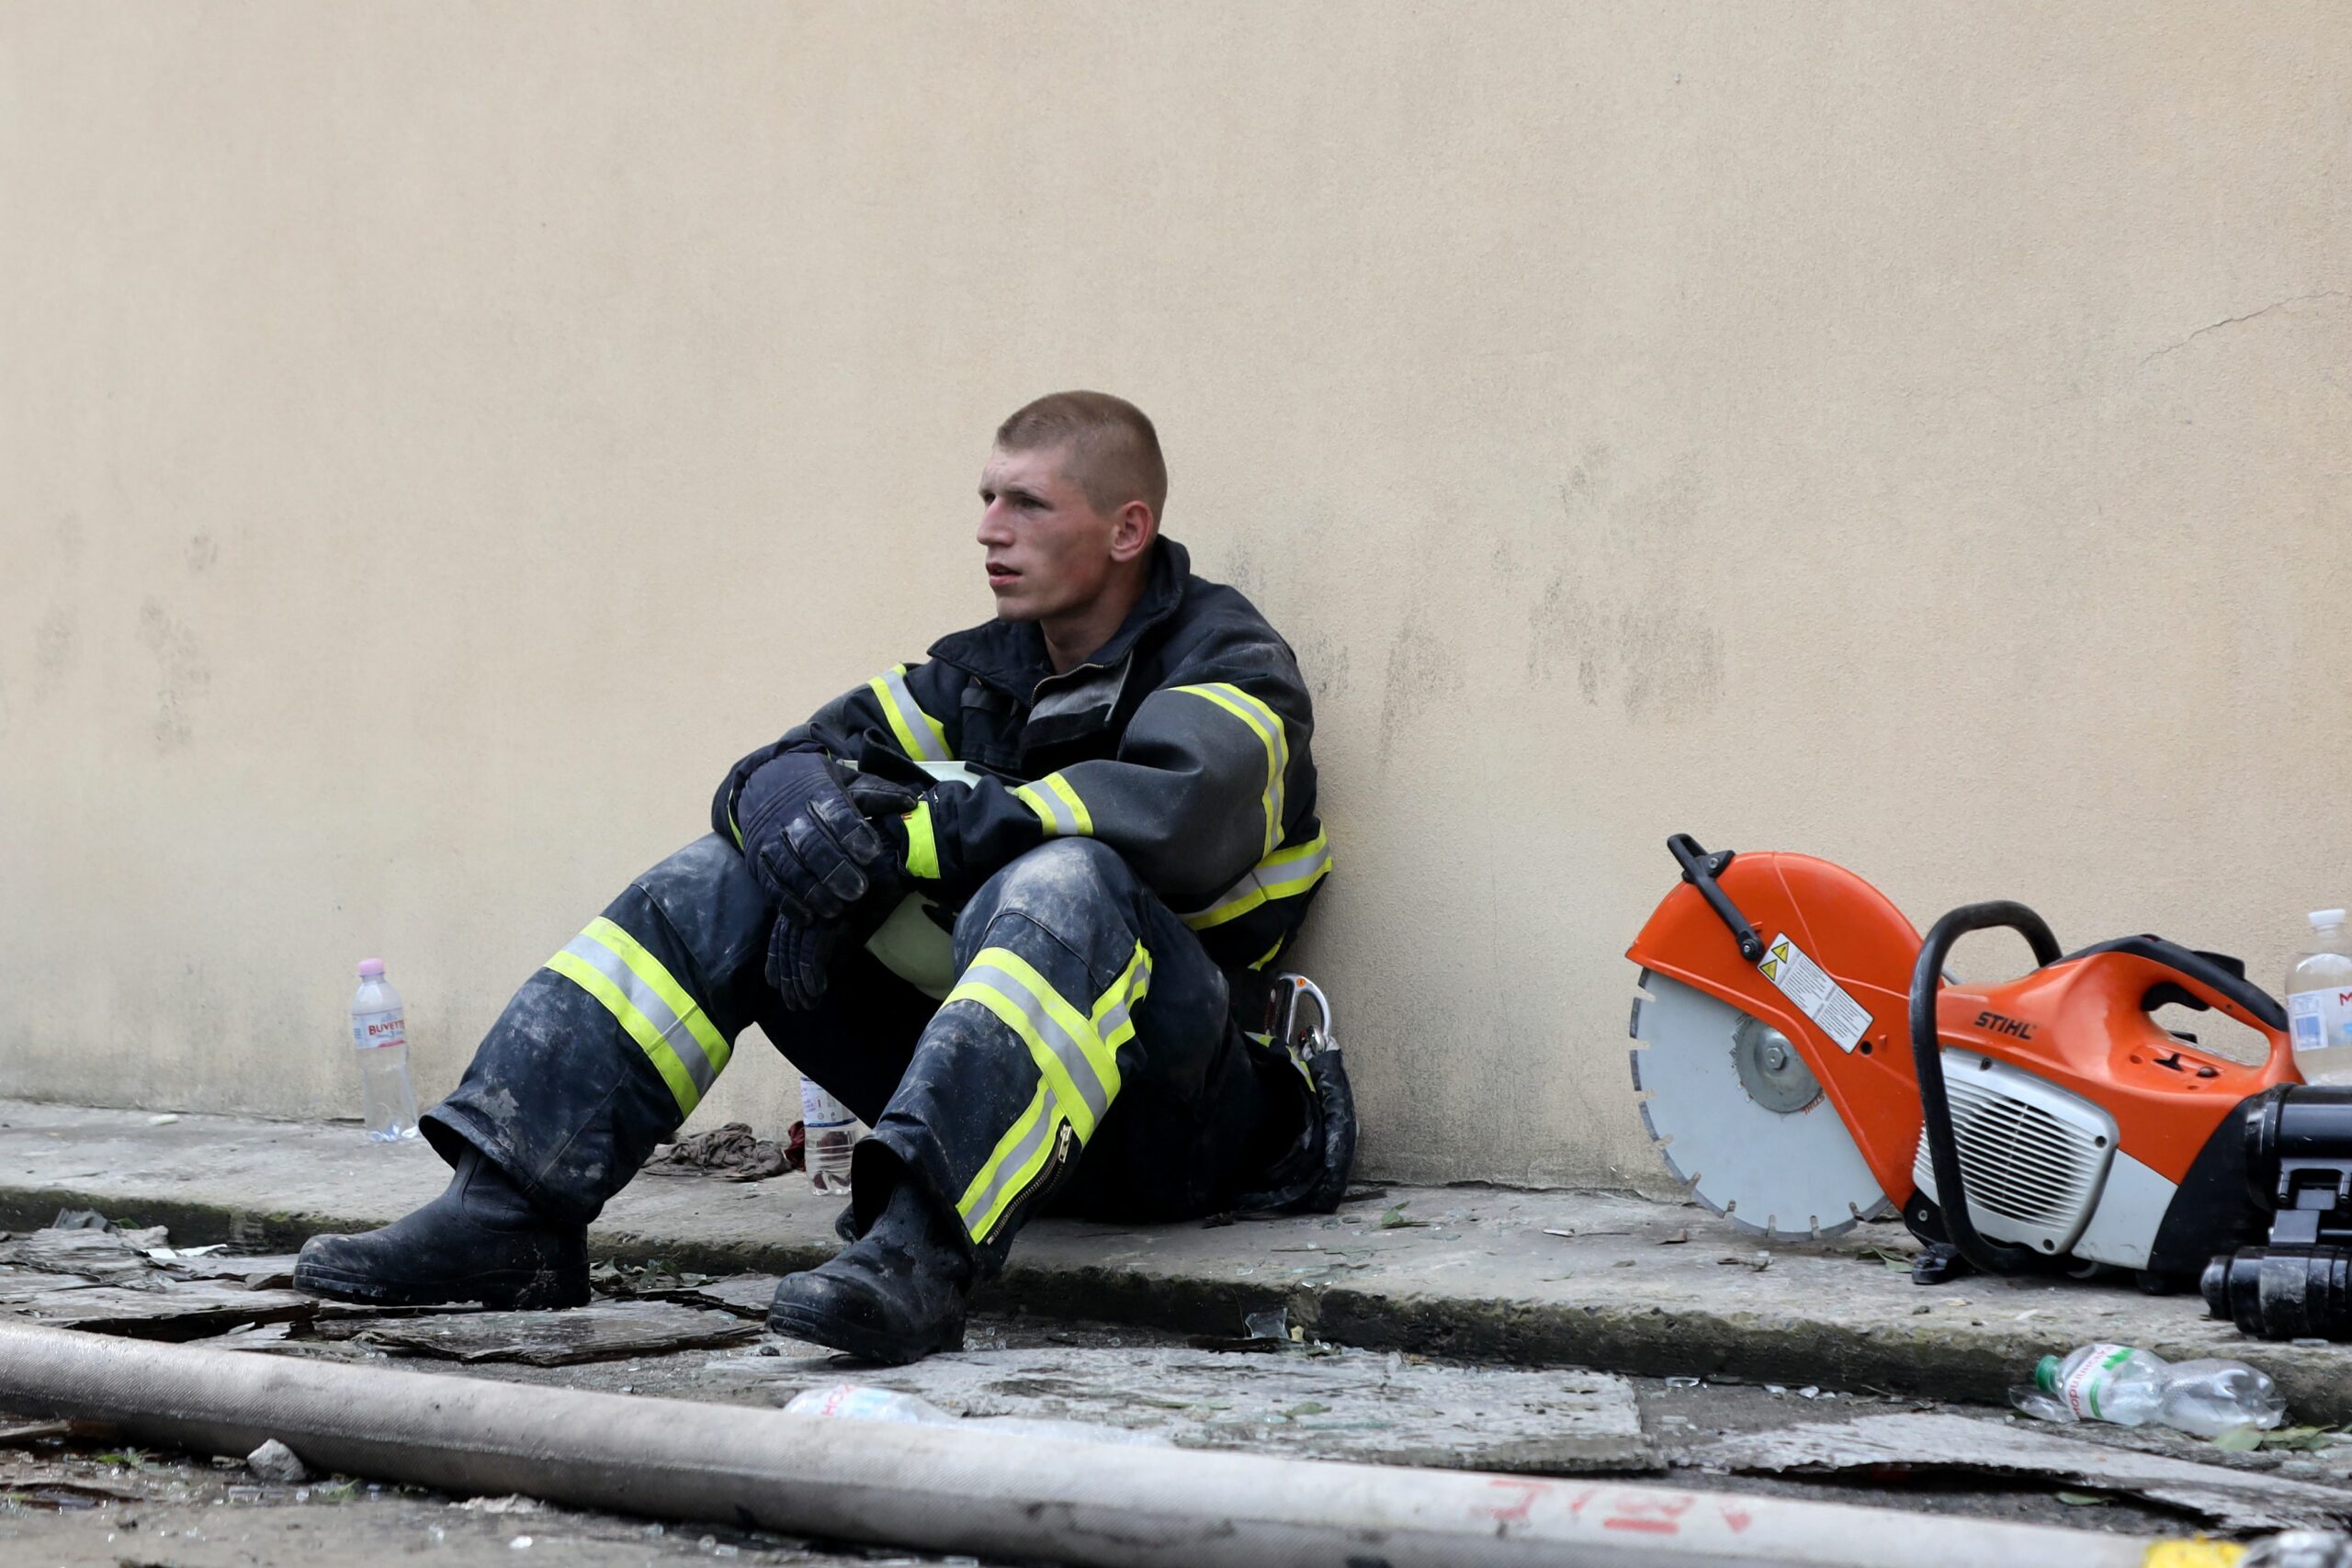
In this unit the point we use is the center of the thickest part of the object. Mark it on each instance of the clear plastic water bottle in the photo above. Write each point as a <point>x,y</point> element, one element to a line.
<point>2131,1388</point>
<point>2319,1001</point>
<point>827,1133</point>
<point>380,1034</point>
<point>859,1402</point>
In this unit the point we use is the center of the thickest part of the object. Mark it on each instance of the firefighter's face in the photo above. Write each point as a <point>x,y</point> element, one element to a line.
<point>1050,553</point>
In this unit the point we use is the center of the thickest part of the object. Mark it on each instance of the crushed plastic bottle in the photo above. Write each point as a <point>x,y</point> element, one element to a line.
<point>2129,1387</point>
<point>2299,1548</point>
<point>829,1131</point>
<point>379,1039</point>
<point>859,1402</point>
<point>2319,1001</point>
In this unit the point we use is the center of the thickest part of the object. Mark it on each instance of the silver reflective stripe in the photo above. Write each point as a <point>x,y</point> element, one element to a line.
<point>1111,1022</point>
<point>647,1000</point>
<point>1011,1164</point>
<point>1057,1039</point>
<point>925,744</point>
<point>1266,882</point>
<point>1065,819</point>
<point>1281,736</point>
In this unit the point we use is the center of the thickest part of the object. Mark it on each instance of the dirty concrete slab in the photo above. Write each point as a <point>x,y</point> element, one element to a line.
<point>1612,1283</point>
<point>603,1331</point>
<point>2234,1499</point>
<point>192,1309</point>
<point>1367,1407</point>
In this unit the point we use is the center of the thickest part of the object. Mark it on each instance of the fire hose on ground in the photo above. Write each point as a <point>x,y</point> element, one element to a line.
<point>938,1489</point>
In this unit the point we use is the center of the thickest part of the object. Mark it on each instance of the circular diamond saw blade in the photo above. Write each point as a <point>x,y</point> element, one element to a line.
<point>1740,1120</point>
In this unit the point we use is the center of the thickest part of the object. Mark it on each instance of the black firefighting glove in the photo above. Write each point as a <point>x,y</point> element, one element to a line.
<point>918,815</point>
<point>800,957</point>
<point>808,844</point>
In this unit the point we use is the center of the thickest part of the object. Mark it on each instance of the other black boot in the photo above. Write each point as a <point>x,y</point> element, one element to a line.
<point>480,1241</point>
<point>895,1295</point>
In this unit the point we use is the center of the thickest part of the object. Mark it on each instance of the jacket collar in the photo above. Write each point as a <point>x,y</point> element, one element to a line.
<point>1010,656</point>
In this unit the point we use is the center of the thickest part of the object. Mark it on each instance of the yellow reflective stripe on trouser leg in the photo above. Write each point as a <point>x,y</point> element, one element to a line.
<point>646,1000</point>
<point>1113,1015</point>
<point>1267,726</point>
<point>923,843</point>
<point>1076,1062</point>
<point>920,735</point>
<point>1285,874</point>
<point>1058,810</point>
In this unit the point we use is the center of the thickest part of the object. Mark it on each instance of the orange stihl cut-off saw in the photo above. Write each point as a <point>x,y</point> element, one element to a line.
<point>1806,1065</point>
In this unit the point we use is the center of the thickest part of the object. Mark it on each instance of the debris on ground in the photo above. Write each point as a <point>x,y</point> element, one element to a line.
<point>731,1153</point>
<point>2301,1549</point>
<point>187,1309</point>
<point>1359,1406</point>
<point>604,1332</point>
<point>745,1295</point>
<point>275,1462</point>
<point>1270,1324</point>
<point>1928,1445</point>
<point>650,1277</point>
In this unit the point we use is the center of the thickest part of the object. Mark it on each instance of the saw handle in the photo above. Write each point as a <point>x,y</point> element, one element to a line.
<point>1700,869</point>
<point>1927,1055</point>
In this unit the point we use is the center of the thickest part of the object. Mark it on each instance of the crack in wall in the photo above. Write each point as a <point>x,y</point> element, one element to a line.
<point>2250,315</point>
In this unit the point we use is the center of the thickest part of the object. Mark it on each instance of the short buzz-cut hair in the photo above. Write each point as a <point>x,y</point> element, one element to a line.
<point>1113,451</point>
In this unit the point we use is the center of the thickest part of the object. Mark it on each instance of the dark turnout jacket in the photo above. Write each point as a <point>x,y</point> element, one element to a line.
<point>1183,743</point>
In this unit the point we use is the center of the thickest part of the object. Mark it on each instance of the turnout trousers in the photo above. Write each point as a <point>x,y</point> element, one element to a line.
<point>1087,1054</point>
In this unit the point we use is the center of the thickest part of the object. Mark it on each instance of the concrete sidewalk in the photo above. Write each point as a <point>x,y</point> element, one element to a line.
<point>1613,1283</point>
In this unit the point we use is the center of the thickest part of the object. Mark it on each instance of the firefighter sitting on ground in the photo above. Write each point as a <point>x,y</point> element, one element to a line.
<point>1130,846</point>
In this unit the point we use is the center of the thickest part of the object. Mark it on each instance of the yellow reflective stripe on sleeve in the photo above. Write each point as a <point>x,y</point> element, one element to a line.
<point>1058,810</point>
<point>1076,1061</point>
<point>1267,726</point>
<point>1269,954</point>
<point>677,1037</point>
<point>1285,874</point>
<point>923,844</point>
<point>920,735</point>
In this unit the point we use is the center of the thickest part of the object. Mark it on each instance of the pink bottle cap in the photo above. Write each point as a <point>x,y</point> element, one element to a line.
<point>371,968</point>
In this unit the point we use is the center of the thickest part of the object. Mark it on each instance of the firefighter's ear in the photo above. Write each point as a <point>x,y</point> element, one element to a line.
<point>1133,528</point>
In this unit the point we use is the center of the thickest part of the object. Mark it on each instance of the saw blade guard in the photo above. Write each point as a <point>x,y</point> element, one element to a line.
<point>1832,980</point>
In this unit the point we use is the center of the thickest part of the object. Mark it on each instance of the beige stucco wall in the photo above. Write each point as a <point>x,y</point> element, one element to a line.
<point>435,439</point>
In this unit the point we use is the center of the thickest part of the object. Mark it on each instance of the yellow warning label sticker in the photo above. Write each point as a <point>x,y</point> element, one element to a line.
<point>2192,1554</point>
<point>1818,996</point>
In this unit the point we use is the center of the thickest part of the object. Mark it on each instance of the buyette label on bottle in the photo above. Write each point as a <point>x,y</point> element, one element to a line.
<point>373,1029</point>
<point>2320,1021</point>
<point>2087,1384</point>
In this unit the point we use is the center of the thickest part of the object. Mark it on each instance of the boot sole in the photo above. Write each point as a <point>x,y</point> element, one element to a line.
<point>798,1322</point>
<point>506,1290</point>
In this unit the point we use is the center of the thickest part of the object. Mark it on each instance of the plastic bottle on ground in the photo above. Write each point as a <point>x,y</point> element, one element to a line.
<point>379,1036</point>
<point>829,1131</point>
<point>860,1403</point>
<point>2128,1387</point>
<point>2319,1001</point>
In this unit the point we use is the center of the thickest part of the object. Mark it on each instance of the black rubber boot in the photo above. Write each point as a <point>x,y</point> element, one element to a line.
<point>895,1295</point>
<point>480,1241</point>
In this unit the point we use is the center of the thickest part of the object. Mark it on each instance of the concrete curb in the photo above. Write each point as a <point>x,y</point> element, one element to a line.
<point>1609,1282</point>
